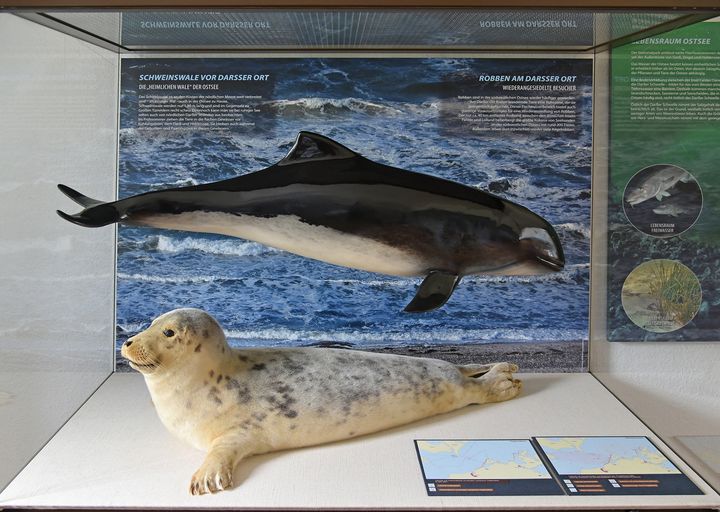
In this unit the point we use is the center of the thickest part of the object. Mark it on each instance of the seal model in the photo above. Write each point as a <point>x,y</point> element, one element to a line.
<point>236,403</point>
<point>326,202</point>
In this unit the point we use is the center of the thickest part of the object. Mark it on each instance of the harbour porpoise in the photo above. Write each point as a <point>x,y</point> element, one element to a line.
<point>326,202</point>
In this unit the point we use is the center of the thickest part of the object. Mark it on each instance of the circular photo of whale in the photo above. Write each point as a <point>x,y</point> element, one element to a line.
<point>662,200</point>
<point>661,295</point>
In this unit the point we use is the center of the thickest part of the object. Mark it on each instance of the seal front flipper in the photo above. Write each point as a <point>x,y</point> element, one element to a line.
<point>434,291</point>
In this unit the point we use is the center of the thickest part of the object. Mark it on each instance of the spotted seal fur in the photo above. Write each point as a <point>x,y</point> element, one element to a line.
<point>236,403</point>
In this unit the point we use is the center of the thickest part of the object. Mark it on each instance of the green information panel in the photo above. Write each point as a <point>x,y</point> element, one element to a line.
<point>663,230</point>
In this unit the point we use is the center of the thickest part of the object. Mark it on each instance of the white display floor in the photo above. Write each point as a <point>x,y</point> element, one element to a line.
<point>115,453</point>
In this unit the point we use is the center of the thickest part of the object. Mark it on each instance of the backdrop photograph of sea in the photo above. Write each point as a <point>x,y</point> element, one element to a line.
<point>393,111</point>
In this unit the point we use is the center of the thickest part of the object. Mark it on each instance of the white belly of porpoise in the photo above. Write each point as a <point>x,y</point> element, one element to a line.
<point>289,233</point>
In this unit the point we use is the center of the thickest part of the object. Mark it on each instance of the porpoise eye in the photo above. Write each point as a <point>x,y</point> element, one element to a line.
<point>169,333</point>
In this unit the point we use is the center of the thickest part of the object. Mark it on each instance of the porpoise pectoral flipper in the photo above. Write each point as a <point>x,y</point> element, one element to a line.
<point>434,291</point>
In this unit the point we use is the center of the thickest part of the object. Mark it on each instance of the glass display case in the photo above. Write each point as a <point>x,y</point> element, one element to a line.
<point>591,134</point>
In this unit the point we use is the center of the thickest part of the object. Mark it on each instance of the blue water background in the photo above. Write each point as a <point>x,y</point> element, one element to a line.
<point>388,110</point>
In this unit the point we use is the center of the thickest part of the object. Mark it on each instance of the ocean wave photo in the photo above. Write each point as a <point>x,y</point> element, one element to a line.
<point>388,110</point>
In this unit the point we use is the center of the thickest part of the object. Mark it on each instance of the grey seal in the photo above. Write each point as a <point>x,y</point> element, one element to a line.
<point>236,403</point>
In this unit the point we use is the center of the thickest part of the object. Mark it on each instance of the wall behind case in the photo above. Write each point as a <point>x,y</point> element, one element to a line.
<point>59,119</point>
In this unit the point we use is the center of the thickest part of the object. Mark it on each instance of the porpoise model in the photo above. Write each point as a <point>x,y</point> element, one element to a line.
<point>657,184</point>
<point>326,202</point>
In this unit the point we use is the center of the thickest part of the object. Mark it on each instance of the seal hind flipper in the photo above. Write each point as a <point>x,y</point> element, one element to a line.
<point>475,371</point>
<point>433,292</point>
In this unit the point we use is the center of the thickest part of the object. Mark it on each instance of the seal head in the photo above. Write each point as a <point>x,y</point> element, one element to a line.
<point>171,340</point>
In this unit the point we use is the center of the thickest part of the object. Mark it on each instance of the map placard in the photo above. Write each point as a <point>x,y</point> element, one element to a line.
<point>484,467</point>
<point>607,466</point>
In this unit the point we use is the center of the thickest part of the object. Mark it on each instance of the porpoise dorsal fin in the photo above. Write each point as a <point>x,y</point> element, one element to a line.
<point>434,291</point>
<point>312,147</point>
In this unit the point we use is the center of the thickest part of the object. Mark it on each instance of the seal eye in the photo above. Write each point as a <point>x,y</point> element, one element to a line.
<point>169,333</point>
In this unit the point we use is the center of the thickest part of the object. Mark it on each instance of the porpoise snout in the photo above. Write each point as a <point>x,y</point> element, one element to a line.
<point>544,245</point>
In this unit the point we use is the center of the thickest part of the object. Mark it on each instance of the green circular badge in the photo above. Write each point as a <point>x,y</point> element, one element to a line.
<point>661,295</point>
<point>662,200</point>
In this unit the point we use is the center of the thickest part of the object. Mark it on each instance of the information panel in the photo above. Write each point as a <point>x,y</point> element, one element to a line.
<point>516,129</point>
<point>663,204</point>
<point>609,466</point>
<point>541,466</point>
<point>484,467</point>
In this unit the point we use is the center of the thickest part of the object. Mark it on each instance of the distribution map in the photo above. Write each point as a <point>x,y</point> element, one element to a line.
<point>605,455</point>
<point>480,459</point>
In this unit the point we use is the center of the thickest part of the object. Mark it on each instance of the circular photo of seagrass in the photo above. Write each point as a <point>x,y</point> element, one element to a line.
<point>661,295</point>
<point>662,200</point>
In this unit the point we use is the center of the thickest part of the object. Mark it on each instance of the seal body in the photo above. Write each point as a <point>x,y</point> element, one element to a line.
<point>235,403</point>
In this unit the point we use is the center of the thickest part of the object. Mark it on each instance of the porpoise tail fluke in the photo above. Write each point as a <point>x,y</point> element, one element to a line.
<point>96,213</point>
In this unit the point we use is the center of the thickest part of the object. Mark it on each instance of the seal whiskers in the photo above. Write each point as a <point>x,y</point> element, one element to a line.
<point>237,403</point>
